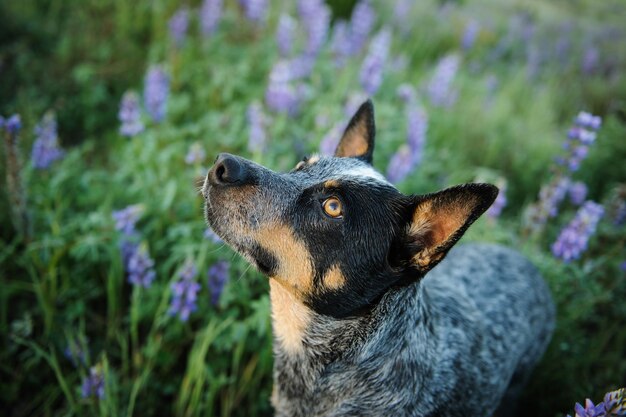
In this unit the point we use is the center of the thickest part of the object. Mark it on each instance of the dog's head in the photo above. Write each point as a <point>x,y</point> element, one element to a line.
<point>333,232</point>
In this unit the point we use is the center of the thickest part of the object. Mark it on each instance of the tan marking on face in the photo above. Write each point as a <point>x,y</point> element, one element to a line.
<point>331,184</point>
<point>299,165</point>
<point>334,278</point>
<point>295,269</point>
<point>290,317</point>
<point>354,142</point>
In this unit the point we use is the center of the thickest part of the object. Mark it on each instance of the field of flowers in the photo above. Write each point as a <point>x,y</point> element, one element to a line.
<point>116,300</point>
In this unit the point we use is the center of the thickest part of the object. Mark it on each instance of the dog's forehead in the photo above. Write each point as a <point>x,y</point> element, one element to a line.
<point>323,168</point>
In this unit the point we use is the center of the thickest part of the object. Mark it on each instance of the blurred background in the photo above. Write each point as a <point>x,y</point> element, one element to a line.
<point>116,300</point>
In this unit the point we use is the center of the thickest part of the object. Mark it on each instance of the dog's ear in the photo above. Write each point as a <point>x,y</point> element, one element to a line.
<point>440,219</point>
<point>358,139</point>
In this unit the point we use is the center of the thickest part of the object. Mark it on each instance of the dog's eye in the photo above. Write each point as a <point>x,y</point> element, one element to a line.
<point>332,207</point>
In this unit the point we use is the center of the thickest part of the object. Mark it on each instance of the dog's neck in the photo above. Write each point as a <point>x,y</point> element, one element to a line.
<point>306,342</point>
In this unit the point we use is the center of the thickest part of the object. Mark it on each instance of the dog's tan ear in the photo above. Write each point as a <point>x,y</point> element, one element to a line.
<point>439,220</point>
<point>358,139</point>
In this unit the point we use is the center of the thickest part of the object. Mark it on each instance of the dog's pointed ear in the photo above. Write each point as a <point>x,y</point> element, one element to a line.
<point>440,219</point>
<point>358,139</point>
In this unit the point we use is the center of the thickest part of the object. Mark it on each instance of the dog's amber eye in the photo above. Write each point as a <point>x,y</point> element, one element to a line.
<point>332,207</point>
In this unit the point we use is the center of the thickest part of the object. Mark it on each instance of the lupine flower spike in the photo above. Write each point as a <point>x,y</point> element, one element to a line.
<point>284,34</point>
<point>156,92</point>
<point>93,384</point>
<point>46,148</point>
<point>315,17</point>
<point>573,239</point>
<point>409,155</point>
<point>195,155</point>
<point>130,115</point>
<point>361,24</point>
<point>371,76</point>
<point>577,193</point>
<point>217,277</point>
<point>257,139</point>
<point>613,405</point>
<point>126,219</point>
<point>255,10</point>
<point>141,268</point>
<point>579,137</point>
<point>210,15</point>
<point>185,292</point>
<point>179,23</point>
<point>439,88</point>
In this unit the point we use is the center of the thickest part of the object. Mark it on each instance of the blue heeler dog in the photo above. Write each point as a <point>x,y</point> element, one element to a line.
<point>359,328</point>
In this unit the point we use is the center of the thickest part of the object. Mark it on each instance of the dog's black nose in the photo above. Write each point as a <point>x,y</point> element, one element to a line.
<point>229,170</point>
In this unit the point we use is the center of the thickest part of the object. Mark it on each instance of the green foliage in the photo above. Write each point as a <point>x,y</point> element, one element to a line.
<point>66,285</point>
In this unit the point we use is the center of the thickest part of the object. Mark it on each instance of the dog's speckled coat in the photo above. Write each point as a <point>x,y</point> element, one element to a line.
<point>360,329</point>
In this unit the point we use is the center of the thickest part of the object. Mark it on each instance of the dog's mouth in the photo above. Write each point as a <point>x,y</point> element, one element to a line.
<point>264,260</point>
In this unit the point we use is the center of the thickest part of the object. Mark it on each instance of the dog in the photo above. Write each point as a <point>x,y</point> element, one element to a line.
<point>359,328</point>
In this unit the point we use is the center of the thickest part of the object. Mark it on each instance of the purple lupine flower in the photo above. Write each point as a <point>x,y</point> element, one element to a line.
<point>580,136</point>
<point>179,24</point>
<point>622,266</point>
<point>573,239</point>
<point>361,24</point>
<point>590,410</point>
<point>156,92</point>
<point>128,248</point>
<point>301,66</point>
<point>255,10</point>
<point>185,292</point>
<point>141,268</point>
<point>46,148</point>
<point>93,384</point>
<point>126,218</point>
<point>280,95</point>
<point>400,164</point>
<point>195,155</point>
<point>417,126</point>
<point>212,236</point>
<point>401,11</point>
<point>285,32</point>
<point>315,16</point>
<point>371,76</point>
<point>439,88</point>
<point>591,59</point>
<point>217,277</point>
<point>210,15</point>
<point>577,193</point>
<point>130,115</point>
<point>13,124</point>
<point>406,92</point>
<point>75,353</point>
<point>340,43</point>
<point>551,196</point>
<point>613,404</point>
<point>615,401</point>
<point>500,202</point>
<point>469,35</point>
<point>588,121</point>
<point>257,138</point>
